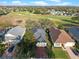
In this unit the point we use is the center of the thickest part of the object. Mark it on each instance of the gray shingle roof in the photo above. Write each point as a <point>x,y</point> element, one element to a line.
<point>17,31</point>
<point>40,35</point>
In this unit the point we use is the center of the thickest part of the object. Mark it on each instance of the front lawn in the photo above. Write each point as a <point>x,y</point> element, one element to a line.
<point>59,53</point>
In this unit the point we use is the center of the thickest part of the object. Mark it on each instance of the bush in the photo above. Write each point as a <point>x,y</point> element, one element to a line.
<point>2,49</point>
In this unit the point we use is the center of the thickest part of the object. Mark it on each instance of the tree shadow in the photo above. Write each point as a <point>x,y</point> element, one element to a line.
<point>50,53</point>
<point>49,38</point>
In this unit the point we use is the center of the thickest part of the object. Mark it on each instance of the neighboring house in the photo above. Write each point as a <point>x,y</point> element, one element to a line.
<point>75,14</point>
<point>15,35</point>
<point>40,37</point>
<point>2,33</point>
<point>60,38</point>
<point>74,32</point>
<point>54,12</point>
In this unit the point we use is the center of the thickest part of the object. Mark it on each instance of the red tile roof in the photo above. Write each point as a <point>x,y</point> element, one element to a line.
<point>59,36</point>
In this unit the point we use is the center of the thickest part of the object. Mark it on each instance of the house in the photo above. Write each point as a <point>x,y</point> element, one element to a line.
<point>15,35</point>
<point>2,33</point>
<point>74,32</point>
<point>56,12</point>
<point>60,38</point>
<point>40,37</point>
<point>75,14</point>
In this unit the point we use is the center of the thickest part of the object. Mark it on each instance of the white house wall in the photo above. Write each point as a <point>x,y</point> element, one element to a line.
<point>69,44</point>
<point>57,44</point>
<point>9,38</point>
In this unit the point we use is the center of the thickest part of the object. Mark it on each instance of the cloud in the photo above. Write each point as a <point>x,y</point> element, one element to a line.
<point>18,2</point>
<point>36,3</point>
<point>56,0</point>
<point>64,4</point>
<point>39,3</point>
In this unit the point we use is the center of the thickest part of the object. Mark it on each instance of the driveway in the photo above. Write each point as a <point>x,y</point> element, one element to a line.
<point>9,53</point>
<point>71,54</point>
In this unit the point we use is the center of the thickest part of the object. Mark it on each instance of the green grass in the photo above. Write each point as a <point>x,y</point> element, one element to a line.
<point>57,20</point>
<point>38,16</point>
<point>59,53</point>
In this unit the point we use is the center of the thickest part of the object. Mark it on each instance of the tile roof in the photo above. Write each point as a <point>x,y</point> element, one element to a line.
<point>60,36</point>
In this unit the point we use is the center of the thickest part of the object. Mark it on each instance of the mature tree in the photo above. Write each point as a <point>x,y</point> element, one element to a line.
<point>31,24</point>
<point>29,43</point>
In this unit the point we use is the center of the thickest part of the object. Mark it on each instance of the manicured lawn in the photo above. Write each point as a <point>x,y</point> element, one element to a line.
<point>57,20</point>
<point>59,53</point>
<point>56,53</point>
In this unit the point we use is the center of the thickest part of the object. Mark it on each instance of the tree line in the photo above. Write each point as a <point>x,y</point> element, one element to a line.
<point>37,10</point>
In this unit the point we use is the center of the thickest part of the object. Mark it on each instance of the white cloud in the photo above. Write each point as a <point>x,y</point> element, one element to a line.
<point>56,0</point>
<point>18,2</point>
<point>64,4</point>
<point>39,3</point>
<point>36,3</point>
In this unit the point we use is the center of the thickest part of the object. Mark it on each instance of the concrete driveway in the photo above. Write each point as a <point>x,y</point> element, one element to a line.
<point>71,54</point>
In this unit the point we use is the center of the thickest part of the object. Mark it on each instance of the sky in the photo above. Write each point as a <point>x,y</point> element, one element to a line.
<point>40,2</point>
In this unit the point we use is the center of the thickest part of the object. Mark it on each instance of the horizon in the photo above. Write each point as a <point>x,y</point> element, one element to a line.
<point>39,3</point>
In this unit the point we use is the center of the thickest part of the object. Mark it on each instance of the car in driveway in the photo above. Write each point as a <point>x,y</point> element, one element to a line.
<point>75,51</point>
<point>9,53</point>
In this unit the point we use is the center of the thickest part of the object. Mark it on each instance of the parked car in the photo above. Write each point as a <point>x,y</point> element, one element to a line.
<point>76,52</point>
